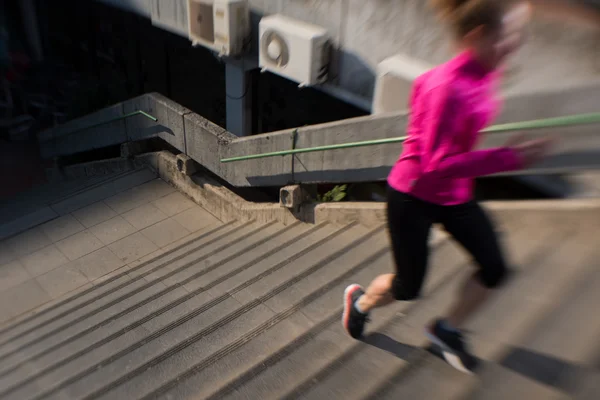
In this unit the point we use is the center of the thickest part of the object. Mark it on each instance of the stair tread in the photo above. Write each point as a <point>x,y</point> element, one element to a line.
<point>188,327</point>
<point>121,288</point>
<point>348,375</point>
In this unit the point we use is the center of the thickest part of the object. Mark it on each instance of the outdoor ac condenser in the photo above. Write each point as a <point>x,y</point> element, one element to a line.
<point>395,77</point>
<point>220,25</point>
<point>294,50</point>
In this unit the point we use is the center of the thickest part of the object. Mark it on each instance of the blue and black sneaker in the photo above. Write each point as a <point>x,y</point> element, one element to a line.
<point>452,347</point>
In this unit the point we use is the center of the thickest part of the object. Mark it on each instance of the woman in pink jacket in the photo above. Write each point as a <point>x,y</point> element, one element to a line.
<point>432,182</point>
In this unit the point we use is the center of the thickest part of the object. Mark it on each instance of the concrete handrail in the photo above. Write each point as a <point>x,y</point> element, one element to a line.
<point>208,144</point>
<point>548,123</point>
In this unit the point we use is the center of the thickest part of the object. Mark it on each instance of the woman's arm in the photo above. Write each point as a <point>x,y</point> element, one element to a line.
<point>440,154</point>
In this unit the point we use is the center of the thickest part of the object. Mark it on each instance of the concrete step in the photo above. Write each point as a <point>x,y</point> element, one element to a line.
<point>99,292</point>
<point>139,285</point>
<point>169,303</point>
<point>536,365</point>
<point>264,309</point>
<point>333,369</point>
<point>501,322</point>
<point>175,329</point>
<point>319,345</point>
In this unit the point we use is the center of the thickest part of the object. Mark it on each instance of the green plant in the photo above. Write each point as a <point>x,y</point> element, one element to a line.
<point>336,194</point>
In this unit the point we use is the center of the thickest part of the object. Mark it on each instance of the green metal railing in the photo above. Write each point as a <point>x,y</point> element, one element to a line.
<point>571,120</point>
<point>108,121</point>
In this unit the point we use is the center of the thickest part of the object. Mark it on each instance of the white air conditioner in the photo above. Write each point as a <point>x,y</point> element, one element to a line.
<point>169,15</point>
<point>395,77</point>
<point>294,50</point>
<point>220,25</point>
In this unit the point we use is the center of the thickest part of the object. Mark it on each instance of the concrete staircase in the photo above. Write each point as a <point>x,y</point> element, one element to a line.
<point>189,307</point>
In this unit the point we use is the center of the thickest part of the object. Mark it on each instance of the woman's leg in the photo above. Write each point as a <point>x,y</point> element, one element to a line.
<point>409,223</point>
<point>378,294</point>
<point>471,227</point>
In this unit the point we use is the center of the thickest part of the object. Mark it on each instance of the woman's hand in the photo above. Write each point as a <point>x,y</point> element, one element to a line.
<point>530,151</point>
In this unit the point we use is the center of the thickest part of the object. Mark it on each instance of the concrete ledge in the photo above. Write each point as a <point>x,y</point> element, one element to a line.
<point>367,214</point>
<point>216,199</point>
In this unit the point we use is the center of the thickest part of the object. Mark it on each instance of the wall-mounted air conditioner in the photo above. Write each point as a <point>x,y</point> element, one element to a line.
<point>169,15</point>
<point>395,76</point>
<point>294,50</point>
<point>220,25</point>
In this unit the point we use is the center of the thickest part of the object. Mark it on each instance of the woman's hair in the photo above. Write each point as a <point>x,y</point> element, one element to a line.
<point>466,15</point>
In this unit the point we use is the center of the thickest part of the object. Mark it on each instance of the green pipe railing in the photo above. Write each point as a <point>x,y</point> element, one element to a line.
<point>108,121</point>
<point>572,120</point>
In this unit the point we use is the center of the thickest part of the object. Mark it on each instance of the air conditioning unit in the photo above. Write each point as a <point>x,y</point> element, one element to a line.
<point>220,25</point>
<point>294,50</point>
<point>393,85</point>
<point>169,15</point>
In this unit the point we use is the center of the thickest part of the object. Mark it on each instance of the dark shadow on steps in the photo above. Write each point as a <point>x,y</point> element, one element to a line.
<point>390,345</point>
<point>542,368</point>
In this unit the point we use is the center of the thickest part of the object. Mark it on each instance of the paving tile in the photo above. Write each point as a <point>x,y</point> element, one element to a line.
<point>165,232</point>
<point>127,200</point>
<point>12,274</point>
<point>112,230</point>
<point>62,280</point>
<point>94,214</point>
<point>156,189</point>
<point>79,245</point>
<point>28,221</point>
<point>84,199</point>
<point>133,179</point>
<point>6,313</point>
<point>139,195</point>
<point>44,260</point>
<point>195,218</point>
<point>133,247</point>
<point>98,263</point>
<point>6,253</point>
<point>62,227</point>
<point>28,242</point>
<point>24,297</point>
<point>174,203</point>
<point>144,216</point>
<point>117,271</point>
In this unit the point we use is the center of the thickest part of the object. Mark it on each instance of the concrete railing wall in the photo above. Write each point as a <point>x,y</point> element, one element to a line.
<point>207,143</point>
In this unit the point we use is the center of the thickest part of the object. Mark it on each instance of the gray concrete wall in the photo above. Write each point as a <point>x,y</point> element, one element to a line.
<point>562,51</point>
<point>207,143</point>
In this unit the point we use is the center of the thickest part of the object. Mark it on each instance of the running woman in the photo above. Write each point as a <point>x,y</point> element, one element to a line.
<point>432,182</point>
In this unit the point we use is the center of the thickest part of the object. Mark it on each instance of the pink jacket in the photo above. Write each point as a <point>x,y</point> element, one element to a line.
<point>450,104</point>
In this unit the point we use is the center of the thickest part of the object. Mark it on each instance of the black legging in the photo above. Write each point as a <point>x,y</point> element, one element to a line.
<point>409,223</point>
